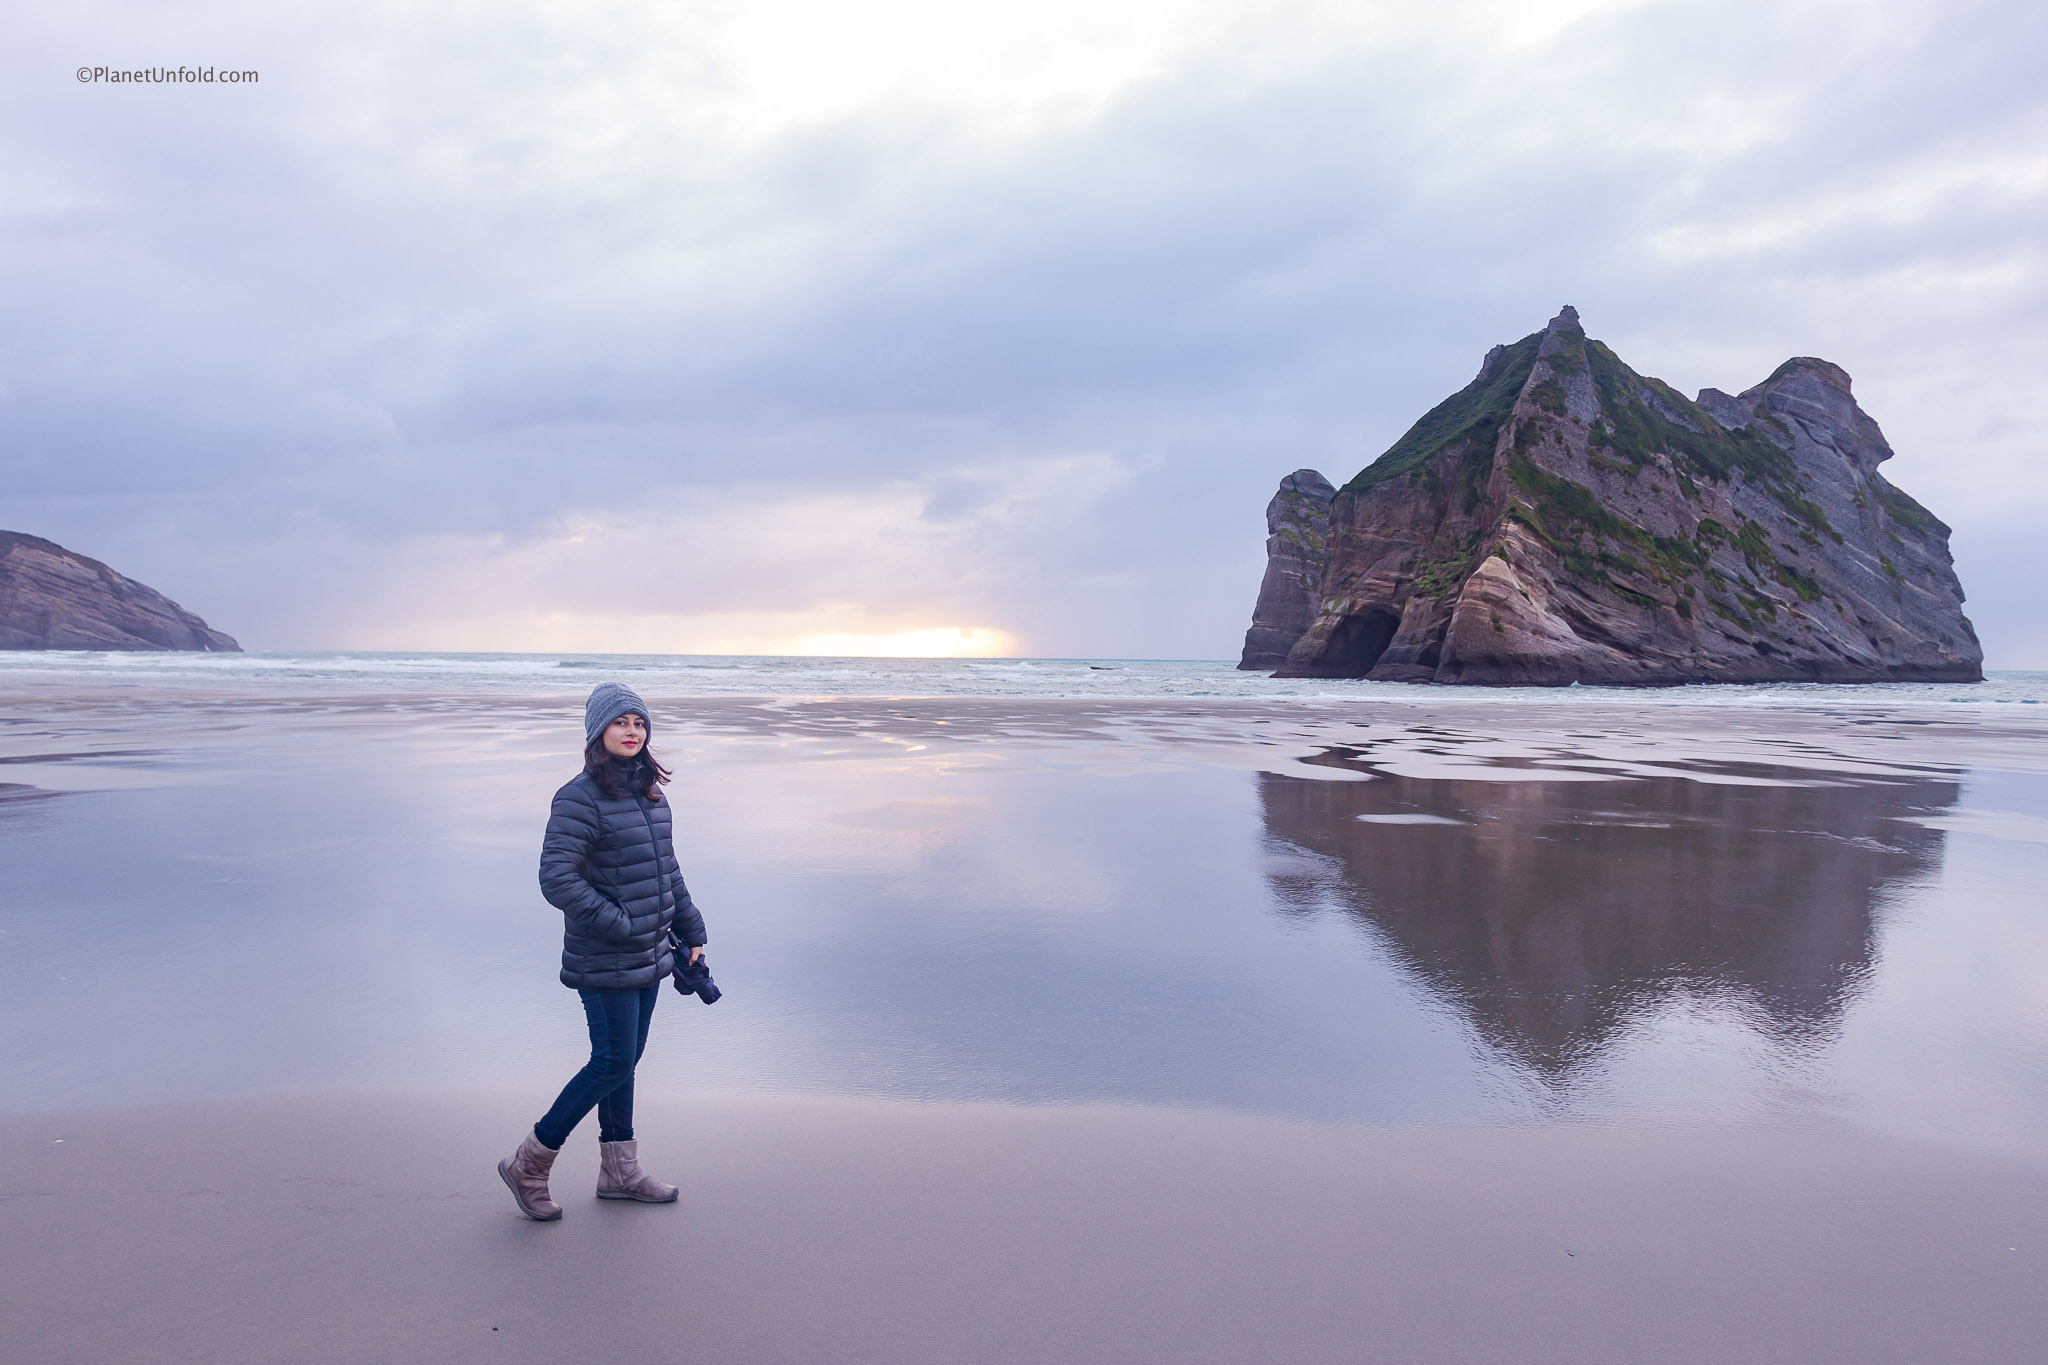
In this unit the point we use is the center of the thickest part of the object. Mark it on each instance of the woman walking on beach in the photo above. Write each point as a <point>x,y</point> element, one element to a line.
<point>608,863</point>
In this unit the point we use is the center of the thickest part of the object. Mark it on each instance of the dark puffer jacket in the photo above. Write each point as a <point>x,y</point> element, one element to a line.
<point>608,863</point>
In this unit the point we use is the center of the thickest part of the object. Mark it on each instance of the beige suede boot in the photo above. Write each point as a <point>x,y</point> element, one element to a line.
<point>525,1173</point>
<point>619,1175</point>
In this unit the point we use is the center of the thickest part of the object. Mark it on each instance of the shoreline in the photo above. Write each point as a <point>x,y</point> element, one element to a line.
<point>1158,680</point>
<point>1282,735</point>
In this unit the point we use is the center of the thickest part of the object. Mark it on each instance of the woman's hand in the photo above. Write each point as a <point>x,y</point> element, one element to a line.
<point>696,953</point>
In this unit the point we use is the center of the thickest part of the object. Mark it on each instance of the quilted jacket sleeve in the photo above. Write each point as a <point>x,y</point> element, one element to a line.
<point>573,825</point>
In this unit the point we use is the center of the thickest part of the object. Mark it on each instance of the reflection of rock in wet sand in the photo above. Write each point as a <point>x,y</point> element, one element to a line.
<point>1553,912</point>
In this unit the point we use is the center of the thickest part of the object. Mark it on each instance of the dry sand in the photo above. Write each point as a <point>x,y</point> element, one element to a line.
<point>373,1228</point>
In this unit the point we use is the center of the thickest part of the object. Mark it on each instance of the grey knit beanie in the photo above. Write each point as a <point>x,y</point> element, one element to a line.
<point>609,701</point>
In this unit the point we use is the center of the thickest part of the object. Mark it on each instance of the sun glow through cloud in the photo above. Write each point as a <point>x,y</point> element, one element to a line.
<point>933,642</point>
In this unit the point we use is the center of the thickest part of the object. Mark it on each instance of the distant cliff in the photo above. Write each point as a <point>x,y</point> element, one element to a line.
<point>1564,519</point>
<point>51,598</point>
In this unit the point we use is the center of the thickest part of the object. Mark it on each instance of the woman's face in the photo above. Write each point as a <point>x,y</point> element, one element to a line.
<point>626,736</point>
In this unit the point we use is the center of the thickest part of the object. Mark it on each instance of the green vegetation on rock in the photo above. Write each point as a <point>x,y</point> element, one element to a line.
<point>1638,428</point>
<point>1473,414</point>
<point>1560,511</point>
<point>1562,514</point>
<point>1907,512</point>
<point>1449,563</point>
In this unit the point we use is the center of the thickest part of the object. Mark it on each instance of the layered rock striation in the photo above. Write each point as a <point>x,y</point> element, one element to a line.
<point>1563,519</point>
<point>51,598</point>
<point>1297,553</point>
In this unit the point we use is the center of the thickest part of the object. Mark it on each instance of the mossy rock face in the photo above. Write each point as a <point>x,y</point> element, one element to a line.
<point>1907,512</point>
<point>1645,418</point>
<point>1602,527</point>
<point>1565,515</point>
<point>1472,417</point>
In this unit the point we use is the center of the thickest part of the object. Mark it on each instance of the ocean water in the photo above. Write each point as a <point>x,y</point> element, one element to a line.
<point>1048,882</point>
<point>739,675</point>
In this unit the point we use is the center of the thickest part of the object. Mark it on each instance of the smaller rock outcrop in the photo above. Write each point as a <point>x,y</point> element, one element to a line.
<point>1297,554</point>
<point>52,598</point>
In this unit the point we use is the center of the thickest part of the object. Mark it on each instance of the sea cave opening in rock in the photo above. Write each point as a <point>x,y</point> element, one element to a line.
<point>1358,641</point>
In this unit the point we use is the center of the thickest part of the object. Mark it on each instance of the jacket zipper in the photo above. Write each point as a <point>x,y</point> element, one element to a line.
<point>660,872</point>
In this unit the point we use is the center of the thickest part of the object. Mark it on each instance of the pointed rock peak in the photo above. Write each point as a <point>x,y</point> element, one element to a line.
<point>1567,320</point>
<point>1826,371</point>
<point>1309,482</point>
<point>1724,408</point>
<point>1490,366</point>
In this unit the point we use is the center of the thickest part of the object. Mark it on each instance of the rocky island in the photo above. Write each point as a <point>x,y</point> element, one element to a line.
<point>52,598</point>
<point>1562,519</point>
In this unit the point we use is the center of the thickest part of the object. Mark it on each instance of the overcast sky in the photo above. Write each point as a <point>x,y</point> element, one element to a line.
<point>798,324</point>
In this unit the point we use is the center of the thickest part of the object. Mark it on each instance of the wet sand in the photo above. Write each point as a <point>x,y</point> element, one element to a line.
<point>1616,1006</point>
<point>371,1227</point>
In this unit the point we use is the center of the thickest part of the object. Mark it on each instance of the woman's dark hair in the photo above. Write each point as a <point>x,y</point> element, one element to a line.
<point>617,776</point>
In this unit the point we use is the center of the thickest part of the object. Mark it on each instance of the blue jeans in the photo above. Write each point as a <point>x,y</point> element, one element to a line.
<point>618,1035</point>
